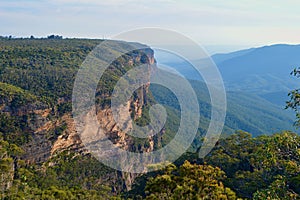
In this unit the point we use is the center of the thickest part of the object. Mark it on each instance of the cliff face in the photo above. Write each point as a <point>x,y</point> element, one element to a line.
<point>46,130</point>
<point>70,140</point>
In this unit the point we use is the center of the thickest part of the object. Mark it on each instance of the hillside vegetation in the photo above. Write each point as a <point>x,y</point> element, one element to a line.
<point>41,157</point>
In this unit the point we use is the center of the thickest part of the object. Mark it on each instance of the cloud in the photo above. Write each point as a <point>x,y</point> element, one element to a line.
<point>211,21</point>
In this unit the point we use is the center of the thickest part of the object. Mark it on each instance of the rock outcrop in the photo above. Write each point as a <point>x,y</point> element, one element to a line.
<point>48,132</point>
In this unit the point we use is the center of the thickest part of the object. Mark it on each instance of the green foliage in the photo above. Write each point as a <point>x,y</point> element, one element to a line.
<point>294,102</point>
<point>54,193</point>
<point>276,191</point>
<point>11,127</point>
<point>16,112</point>
<point>44,67</point>
<point>15,96</point>
<point>64,108</point>
<point>189,181</point>
<point>8,157</point>
<point>253,164</point>
<point>66,176</point>
<point>84,171</point>
<point>265,167</point>
<point>295,183</point>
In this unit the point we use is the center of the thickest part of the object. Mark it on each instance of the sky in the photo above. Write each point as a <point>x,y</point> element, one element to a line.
<point>219,25</point>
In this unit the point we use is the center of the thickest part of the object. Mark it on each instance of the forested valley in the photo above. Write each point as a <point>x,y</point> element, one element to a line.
<point>41,157</point>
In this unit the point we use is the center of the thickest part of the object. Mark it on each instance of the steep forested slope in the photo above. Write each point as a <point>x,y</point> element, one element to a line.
<point>36,82</point>
<point>42,156</point>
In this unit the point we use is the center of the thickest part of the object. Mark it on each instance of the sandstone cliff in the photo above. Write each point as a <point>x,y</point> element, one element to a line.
<point>45,131</point>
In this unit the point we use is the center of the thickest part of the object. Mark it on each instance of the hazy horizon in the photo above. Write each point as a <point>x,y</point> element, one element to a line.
<point>213,24</point>
<point>210,49</point>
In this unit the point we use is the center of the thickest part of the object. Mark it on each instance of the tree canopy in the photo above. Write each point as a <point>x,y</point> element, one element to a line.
<point>294,102</point>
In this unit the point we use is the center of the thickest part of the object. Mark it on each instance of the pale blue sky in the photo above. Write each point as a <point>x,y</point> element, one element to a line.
<point>210,22</point>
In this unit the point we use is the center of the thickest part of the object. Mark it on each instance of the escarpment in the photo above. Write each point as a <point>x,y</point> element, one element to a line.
<point>36,114</point>
<point>135,106</point>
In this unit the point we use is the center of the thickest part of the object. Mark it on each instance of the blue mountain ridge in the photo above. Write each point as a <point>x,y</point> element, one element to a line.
<point>257,81</point>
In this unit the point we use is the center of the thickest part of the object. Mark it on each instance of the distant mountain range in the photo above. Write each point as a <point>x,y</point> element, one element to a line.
<point>263,71</point>
<point>257,81</point>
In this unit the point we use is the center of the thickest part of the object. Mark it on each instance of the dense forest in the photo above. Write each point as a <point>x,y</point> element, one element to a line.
<point>41,158</point>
